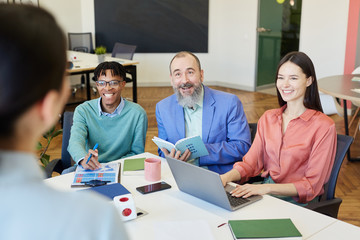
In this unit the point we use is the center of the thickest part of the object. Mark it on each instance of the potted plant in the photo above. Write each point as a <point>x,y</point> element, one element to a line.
<point>45,158</point>
<point>100,52</point>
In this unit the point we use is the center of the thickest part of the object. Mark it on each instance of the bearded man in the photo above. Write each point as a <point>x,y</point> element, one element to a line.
<point>217,117</point>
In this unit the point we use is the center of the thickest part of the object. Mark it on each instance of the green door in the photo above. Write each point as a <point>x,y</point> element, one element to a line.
<point>278,33</point>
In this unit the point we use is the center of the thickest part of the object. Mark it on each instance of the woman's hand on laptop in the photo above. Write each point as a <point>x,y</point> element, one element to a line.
<point>248,190</point>
<point>177,154</point>
<point>230,176</point>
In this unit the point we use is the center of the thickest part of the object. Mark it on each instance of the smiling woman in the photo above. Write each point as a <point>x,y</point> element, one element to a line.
<point>292,83</point>
<point>303,67</point>
<point>294,147</point>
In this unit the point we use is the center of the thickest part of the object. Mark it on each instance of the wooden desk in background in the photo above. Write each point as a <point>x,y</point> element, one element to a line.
<point>340,86</point>
<point>86,63</point>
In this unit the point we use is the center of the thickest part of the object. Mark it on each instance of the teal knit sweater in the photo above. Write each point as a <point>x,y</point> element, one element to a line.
<point>118,137</point>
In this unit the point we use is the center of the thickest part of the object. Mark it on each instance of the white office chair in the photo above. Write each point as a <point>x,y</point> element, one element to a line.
<point>330,105</point>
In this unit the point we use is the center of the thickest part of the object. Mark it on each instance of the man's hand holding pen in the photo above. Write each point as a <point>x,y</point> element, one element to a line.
<point>91,162</point>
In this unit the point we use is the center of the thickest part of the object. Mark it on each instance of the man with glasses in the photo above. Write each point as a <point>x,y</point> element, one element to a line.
<point>118,126</point>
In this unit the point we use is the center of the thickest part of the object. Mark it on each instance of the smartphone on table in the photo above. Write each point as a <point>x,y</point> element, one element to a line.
<point>153,187</point>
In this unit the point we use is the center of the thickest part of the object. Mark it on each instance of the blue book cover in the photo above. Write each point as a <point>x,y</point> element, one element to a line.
<point>194,144</point>
<point>109,190</point>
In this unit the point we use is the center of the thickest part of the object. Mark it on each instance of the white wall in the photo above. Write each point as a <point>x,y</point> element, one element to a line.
<point>231,60</point>
<point>323,34</point>
<point>72,15</point>
<point>232,42</point>
<point>67,13</point>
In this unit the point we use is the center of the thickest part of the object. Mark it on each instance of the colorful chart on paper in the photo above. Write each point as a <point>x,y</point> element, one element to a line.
<point>107,172</point>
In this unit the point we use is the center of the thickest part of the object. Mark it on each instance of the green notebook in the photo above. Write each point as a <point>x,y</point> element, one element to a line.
<point>133,166</point>
<point>264,228</point>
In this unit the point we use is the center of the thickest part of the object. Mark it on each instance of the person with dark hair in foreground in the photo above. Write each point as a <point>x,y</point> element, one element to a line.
<point>33,92</point>
<point>295,145</point>
<point>117,125</point>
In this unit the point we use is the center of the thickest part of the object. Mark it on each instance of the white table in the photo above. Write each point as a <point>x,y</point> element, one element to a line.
<point>340,86</point>
<point>174,208</point>
<point>338,230</point>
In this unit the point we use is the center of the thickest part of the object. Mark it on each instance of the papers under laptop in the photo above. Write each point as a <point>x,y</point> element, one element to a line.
<point>206,185</point>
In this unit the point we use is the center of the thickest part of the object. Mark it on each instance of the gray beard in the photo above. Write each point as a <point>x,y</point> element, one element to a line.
<point>188,101</point>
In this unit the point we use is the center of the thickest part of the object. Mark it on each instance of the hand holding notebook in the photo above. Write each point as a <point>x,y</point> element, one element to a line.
<point>194,144</point>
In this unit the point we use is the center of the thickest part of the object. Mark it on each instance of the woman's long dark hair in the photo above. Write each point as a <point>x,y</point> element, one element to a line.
<point>312,98</point>
<point>32,60</point>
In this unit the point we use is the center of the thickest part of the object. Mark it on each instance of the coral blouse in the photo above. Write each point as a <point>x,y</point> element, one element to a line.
<point>303,155</point>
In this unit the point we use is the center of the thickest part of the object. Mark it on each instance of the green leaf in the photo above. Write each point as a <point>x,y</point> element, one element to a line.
<point>49,133</point>
<point>45,160</point>
<point>39,146</point>
<point>57,133</point>
<point>100,50</point>
<point>47,157</point>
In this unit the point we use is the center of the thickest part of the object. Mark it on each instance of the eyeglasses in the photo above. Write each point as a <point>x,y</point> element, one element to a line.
<point>112,83</point>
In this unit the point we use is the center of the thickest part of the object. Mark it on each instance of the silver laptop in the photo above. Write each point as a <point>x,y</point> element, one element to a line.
<point>206,185</point>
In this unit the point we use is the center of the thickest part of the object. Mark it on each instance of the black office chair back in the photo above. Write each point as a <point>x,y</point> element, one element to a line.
<point>253,129</point>
<point>124,51</point>
<point>81,42</point>
<point>328,204</point>
<point>59,164</point>
<point>343,144</point>
<point>67,123</point>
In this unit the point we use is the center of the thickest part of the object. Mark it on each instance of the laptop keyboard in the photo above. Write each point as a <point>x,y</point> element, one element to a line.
<point>235,201</point>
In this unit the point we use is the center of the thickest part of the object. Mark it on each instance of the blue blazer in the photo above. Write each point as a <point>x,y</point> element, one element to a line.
<point>225,130</point>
